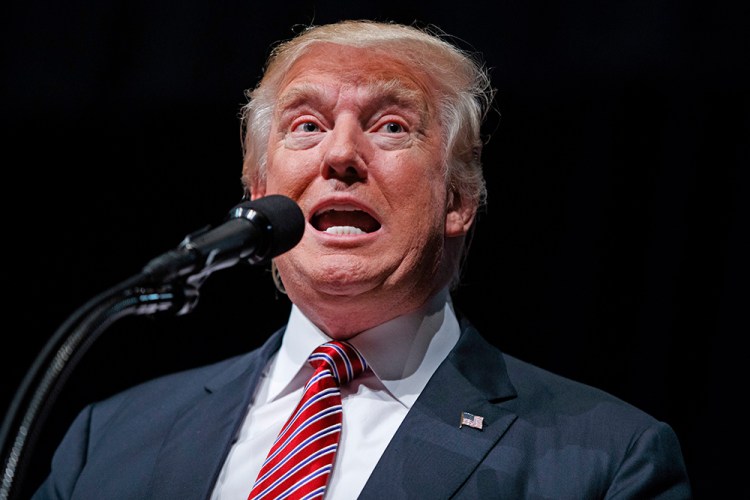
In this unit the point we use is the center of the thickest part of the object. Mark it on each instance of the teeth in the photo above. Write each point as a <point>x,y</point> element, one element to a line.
<point>341,208</point>
<point>344,230</point>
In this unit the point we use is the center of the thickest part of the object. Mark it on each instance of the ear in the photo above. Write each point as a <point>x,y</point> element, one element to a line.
<point>459,218</point>
<point>252,182</point>
<point>257,190</point>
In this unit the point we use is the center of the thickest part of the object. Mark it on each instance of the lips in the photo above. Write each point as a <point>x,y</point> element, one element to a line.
<point>344,220</point>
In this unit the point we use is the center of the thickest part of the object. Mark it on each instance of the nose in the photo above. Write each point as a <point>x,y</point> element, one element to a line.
<point>343,157</point>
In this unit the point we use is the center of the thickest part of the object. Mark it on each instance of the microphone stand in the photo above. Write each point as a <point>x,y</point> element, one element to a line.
<point>135,296</point>
<point>256,231</point>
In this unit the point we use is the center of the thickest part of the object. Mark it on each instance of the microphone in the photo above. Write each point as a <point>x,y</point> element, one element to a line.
<point>255,231</point>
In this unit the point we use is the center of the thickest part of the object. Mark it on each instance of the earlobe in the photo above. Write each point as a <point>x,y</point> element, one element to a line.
<point>257,189</point>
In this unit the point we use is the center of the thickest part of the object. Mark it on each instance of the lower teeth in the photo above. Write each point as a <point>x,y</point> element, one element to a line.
<point>344,230</point>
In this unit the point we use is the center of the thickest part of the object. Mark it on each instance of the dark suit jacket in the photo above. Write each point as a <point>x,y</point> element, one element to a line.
<point>544,436</point>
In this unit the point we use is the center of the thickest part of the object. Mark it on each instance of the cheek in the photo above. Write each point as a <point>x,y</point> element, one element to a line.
<point>290,172</point>
<point>419,182</point>
<point>418,200</point>
<point>415,168</point>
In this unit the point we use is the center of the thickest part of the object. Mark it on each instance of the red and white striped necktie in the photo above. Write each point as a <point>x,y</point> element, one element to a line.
<point>301,459</point>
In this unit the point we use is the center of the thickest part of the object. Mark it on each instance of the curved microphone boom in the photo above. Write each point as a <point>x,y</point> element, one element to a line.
<point>256,231</point>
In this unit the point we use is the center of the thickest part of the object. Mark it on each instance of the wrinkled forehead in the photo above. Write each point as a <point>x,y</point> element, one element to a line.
<point>370,71</point>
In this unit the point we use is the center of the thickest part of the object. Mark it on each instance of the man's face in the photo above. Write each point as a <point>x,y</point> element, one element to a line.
<point>356,142</point>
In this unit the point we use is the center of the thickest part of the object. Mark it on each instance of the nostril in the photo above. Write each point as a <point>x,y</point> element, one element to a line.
<point>352,172</point>
<point>349,173</point>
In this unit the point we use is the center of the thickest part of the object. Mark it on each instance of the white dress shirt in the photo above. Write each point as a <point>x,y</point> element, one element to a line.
<point>402,353</point>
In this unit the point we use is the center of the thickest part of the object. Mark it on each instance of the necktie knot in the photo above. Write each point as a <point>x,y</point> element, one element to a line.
<point>340,358</point>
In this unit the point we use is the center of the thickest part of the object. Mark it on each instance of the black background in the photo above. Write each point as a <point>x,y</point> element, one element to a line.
<point>612,249</point>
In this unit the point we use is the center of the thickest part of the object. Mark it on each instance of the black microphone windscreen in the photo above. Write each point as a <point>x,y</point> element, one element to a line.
<point>285,218</point>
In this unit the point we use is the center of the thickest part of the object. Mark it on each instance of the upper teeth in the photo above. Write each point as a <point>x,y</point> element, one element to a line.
<point>341,208</point>
<point>344,230</point>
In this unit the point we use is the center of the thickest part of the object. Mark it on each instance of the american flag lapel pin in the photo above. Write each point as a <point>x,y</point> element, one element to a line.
<point>473,421</point>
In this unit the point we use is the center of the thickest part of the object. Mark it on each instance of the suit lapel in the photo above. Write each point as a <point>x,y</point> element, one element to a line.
<point>194,452</point>
<point>431,452</point>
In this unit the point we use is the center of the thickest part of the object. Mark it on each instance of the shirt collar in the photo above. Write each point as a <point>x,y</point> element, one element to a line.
<point>403,353</point>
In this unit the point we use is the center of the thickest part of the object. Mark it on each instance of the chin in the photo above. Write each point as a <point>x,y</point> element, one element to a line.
<point>344,287</point>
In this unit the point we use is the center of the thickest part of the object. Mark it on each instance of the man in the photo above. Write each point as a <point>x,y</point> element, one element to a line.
<point>373,129</point>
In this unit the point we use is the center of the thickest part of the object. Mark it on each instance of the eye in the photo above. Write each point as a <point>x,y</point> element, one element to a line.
<point>392,128</point>
<point>306,127</point>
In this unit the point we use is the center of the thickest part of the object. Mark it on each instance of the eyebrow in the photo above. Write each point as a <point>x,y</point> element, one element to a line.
<point>396,93</point>
<point>384,93</point>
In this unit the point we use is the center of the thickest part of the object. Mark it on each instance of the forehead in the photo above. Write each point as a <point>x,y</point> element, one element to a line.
<point>332,66</point>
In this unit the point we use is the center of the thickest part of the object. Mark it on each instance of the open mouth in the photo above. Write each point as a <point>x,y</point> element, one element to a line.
<point>344,220</point>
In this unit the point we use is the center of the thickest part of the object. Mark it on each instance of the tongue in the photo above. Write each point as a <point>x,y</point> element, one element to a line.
<point>355,218</point>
